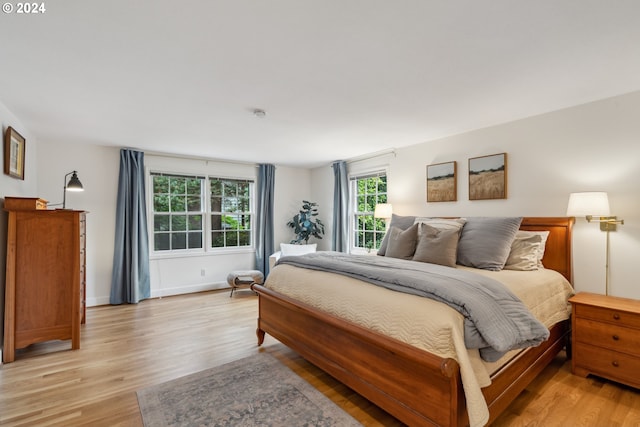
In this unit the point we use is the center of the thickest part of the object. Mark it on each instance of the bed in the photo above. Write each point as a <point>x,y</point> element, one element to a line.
<point>416,386</point>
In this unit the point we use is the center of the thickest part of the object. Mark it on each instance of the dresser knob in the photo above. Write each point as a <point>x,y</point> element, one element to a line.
<point>616,316</point>
<point>615,337</point>
<point>615,363</point>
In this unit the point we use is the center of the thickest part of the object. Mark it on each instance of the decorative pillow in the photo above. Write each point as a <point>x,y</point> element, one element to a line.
<point>524,252</point>
<point>485,242</point>
<point>402,243</point>
<point>401,222</point>
<point>289,249</point>
<point>543,244</point>
<point>437,246</point>
<point>522,234</point>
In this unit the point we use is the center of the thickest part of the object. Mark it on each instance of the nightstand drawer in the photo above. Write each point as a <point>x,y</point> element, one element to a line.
<point>612,337</point>
<point>608,315</point>
<point>609,364</point>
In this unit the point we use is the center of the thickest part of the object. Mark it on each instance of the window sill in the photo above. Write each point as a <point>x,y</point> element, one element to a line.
<point>194,254</point>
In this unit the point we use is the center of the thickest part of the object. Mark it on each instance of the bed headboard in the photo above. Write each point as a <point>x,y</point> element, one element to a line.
<point>557,254</point>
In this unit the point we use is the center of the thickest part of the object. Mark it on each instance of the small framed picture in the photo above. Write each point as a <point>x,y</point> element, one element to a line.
<point>441,182</point>
<point>14,146</point>
<point>488,177</point>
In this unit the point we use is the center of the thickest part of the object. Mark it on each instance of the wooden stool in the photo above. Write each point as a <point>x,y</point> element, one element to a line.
<point>239,278</point>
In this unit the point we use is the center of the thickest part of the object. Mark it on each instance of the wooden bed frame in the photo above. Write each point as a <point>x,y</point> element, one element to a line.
<point>413,385</point>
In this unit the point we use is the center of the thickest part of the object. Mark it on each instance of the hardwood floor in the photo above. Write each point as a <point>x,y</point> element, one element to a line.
<point>126,348</point>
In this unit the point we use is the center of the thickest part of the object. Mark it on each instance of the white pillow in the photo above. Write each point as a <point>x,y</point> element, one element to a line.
<point>527,250</point>
<point>289,249</point>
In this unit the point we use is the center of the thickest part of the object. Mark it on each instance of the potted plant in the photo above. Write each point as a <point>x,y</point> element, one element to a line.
<point>305,224</point>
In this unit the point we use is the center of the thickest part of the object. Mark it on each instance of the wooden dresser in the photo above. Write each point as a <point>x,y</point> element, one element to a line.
<point>606,337</point>
<point>45,275</point>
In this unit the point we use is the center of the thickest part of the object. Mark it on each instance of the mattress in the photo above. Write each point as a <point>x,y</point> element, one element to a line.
<point>424,323</point>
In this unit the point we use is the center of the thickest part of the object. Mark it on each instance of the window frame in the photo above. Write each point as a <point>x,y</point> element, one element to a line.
<point>207,249</point>
<point>354,213</point>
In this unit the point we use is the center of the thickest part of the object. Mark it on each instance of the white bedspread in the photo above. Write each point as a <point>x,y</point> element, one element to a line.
<point>421,322</point>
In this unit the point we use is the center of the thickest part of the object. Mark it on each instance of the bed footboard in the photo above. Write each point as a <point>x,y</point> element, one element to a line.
<point>413,385</point>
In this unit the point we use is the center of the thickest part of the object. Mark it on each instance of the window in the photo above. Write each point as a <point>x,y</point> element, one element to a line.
<point>180,212</point>
<point>177,212</point>
<point>366,192</point>
<point>230,212</point>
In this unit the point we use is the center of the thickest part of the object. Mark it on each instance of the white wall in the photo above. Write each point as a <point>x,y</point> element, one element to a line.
<point>97,168</point>
<point>322,182</point>
<point>292,186</point>
<point>595,146</point>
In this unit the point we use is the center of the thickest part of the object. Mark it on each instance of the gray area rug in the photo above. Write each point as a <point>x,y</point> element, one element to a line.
<point>255,391</point>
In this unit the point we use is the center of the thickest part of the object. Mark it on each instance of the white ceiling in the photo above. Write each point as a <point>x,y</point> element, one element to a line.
<point>337,78</point>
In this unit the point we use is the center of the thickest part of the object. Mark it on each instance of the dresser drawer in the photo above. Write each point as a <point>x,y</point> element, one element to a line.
<point>607,315</point>
<point>609,364</point>
<point>613,337</point>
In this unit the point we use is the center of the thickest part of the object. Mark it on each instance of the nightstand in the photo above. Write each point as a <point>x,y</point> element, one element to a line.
<point>606,337</point>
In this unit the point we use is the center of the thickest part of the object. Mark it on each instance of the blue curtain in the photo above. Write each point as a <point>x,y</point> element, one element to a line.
<point>340,241</point>
<point>264,217</point>
<point>130,282</point>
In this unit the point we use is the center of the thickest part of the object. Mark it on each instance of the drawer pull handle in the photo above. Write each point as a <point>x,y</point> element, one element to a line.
<point>616,316</point>
<point>615,337</point>
<point>615,363</point>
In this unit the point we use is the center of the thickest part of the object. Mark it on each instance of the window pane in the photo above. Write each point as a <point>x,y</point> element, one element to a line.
<point>368,240</point>
<point>245,222</point>
<point>178,223</point>
<point>243,190</point>
<point>232,221</point>
<point>217,239</point>
<point>160,203</point>
<point>194,187</point>
<point>178,240</point>
<point>245,238</point>
<point>178,204</point>
<point>195,222</point>
<point>161,242</point>
<point>229,188</point>
<point>161,222</point>
<point>216,187</point>
<point>232,238</point>
<point>229,204</point>
<point>216,222</point>
<point>194,204</point>
<point>195,240</point>
<point>160,184</point>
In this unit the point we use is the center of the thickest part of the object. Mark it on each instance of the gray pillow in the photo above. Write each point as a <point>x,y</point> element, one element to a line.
<point>402,222</point>
<point>437,246</point>
<point>485,242</point>
<point>402,243</point>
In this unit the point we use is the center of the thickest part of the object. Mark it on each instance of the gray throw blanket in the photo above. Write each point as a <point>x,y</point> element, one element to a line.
<point>495,320</point>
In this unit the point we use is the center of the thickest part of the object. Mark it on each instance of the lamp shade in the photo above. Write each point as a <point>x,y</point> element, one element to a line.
<point>74,183</point>
<point>383,210</point>
<point>595,203</point>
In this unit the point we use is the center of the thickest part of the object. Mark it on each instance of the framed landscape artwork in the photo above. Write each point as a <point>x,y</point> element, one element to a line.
<point>14,145</point>
<point>441,182</point>
<point>488,177</point>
